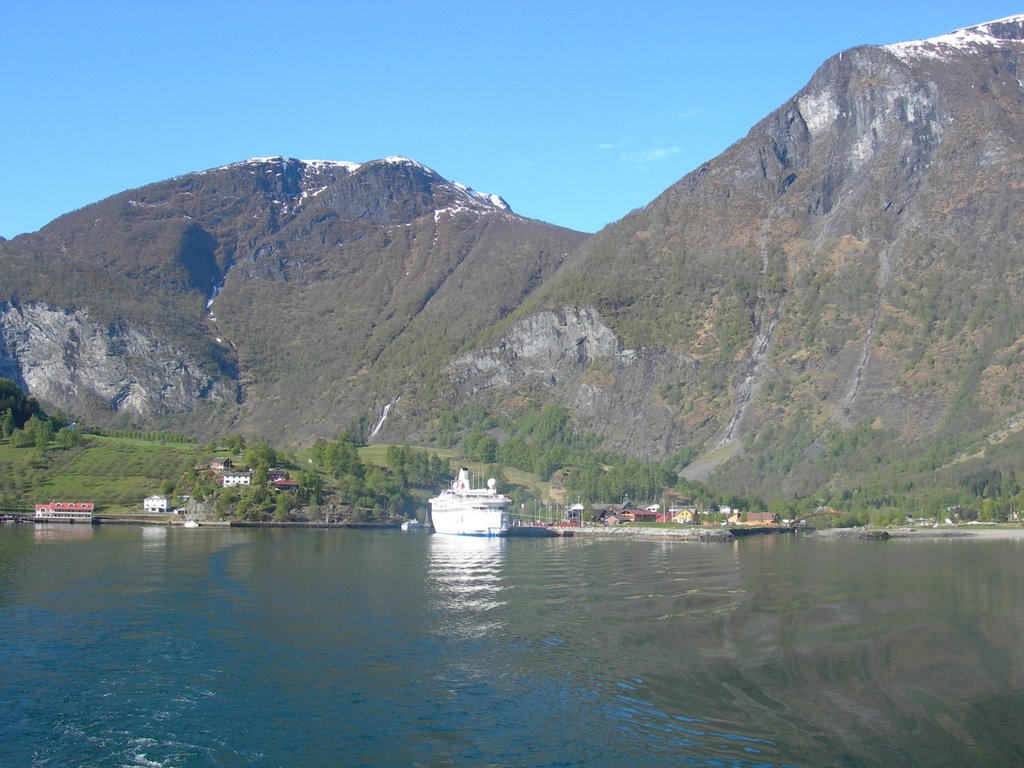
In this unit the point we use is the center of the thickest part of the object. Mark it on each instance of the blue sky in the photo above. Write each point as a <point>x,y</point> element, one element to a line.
<point>574,112</point>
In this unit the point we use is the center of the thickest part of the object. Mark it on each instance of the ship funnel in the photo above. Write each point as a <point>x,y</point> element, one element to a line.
<point>462,483</point>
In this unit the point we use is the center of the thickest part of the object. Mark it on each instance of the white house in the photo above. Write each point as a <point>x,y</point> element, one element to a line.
<point>236,478</point>
<point>156,505</point>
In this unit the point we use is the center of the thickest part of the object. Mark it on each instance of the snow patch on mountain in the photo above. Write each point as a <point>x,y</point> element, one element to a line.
<point>964,40</point>
<point>402,160</point>
<point>319,165</point>
<point>483,197</point>
<point>471,194</point>
<point>313,193</point>
<point>314,166</point>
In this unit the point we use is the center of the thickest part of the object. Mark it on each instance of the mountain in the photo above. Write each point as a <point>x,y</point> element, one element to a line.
<point>839,288</point>
<point>830,306</point>
<point>275,296</point>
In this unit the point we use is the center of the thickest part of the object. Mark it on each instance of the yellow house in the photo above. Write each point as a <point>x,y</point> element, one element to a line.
<point>685,515</point>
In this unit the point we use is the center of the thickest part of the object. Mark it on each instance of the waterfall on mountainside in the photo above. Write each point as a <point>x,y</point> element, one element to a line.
<point>383,416</point>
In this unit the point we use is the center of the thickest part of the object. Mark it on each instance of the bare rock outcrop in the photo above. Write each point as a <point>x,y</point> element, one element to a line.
<point>545,348</point>
<point>64,359</point>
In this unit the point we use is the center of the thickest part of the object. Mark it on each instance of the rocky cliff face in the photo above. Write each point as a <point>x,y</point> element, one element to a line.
<point>573,358</point>
<point>89,368</point>
<point>539,351</point>
<point>852,262</point>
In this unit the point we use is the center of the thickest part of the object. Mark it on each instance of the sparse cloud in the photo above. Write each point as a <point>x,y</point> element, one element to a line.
<point>650,155</point>
<point>607,146</point>
<point>686,114</point>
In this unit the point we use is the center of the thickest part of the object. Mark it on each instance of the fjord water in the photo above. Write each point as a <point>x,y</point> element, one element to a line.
<point>227,647</point>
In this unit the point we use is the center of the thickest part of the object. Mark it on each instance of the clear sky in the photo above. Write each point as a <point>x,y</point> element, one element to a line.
<point>575,112</point>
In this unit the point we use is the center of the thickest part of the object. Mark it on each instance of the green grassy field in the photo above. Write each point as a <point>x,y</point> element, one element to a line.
<point>114,473</point>
<point>530,482</point>
<point>377,454</point>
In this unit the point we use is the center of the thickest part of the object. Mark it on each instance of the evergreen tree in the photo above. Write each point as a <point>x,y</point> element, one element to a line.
<point>13,399</point>
<point>7,423</point>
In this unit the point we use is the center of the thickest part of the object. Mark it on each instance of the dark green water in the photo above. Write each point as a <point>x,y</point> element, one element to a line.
<point>126,646</point>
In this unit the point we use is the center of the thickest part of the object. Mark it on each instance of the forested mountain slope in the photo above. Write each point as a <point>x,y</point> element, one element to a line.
<point>838,288</point>
<point>274,296</point>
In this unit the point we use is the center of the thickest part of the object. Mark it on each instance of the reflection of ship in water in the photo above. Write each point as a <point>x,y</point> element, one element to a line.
<point>154,536</point>
<point>465,581</point>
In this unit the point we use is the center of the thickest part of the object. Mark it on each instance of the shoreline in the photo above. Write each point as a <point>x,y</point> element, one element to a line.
<point>731,534</point>
<point>710,534</point>
<point>163,522</point>
<point>943,532</point>
<point>625,531</point>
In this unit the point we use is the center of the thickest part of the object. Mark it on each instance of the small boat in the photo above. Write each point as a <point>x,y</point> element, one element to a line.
<point>466,511</point>
<point>190,524</point>
<point>411,525</point>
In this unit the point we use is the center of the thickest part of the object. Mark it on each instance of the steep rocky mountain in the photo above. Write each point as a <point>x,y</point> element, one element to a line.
<point>833,300</point>
<point>273,296</point>
<point>840,287</point>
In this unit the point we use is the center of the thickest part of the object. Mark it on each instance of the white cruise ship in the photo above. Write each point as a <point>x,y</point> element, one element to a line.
<point>467,511</point>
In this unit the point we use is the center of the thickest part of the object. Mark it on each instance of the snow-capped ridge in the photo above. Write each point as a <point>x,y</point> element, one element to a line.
<point>472,196</point>
<point>402,160</point>
<point>280,159</point>
<point>998,32</point>
<point>318,164</point>
<point>496,200</point>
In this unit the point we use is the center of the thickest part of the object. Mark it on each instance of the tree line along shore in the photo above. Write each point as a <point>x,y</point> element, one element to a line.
<point>542,464</point>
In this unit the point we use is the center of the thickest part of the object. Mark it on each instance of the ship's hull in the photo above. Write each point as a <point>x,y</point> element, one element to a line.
<point>470,522</point>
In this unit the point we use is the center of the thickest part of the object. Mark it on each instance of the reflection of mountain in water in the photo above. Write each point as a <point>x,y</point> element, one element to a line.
<point>464,583</point>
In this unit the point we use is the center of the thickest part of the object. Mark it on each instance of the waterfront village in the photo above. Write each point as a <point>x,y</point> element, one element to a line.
<point>160,505</point>
<point>227,475</point>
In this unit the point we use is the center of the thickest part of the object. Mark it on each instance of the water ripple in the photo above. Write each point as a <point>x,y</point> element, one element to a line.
<point>228,648</point>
